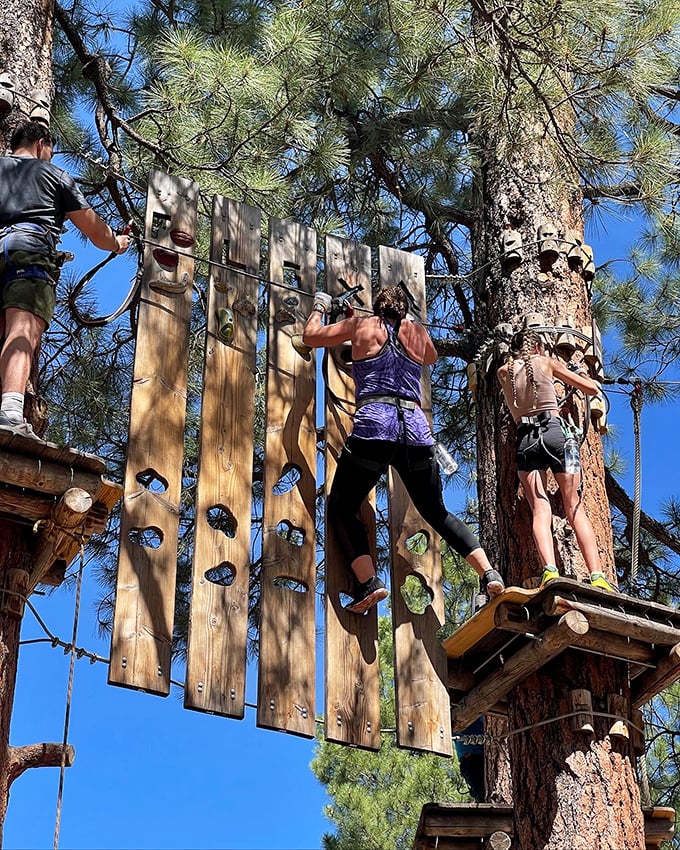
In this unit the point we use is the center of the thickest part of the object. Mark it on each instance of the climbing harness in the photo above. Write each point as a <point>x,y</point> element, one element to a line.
<point>13,272</point>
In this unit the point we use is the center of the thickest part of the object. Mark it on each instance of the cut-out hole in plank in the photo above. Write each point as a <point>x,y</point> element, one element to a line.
<point>290,475</point>
<point>416,594</point>
<point>220,518</point>
<point>223,574</point>
<point>291,532</point>
<point>418,543</point>
<point>149,537</point>
<point>288,583</point>
<point>152,481</point>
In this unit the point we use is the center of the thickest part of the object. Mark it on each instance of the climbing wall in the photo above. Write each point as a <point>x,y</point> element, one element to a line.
<point>218,624</point>
<point>423,704</point>
<point>147,562</point>
<point>288,582</point>
<point>224,590</point>
<point>352,713</point>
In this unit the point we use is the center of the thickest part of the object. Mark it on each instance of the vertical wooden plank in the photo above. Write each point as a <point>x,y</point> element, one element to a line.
<point>147,562</point>
<point>352,687</point>
<point>422,698</point>
<point>287,600</point>
<point>218,620</point>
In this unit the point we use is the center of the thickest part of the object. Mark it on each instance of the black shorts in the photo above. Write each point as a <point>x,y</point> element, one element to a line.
<point>540,446</point>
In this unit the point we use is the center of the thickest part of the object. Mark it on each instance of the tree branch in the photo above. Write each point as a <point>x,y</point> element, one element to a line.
<point>37,755</point>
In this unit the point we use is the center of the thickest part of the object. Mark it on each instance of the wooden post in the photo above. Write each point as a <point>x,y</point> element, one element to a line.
<point>141,643</point>
<point>422,699</point>
<point>352,713</point>
<point>287,599</point>
<point>218,617</point>
<point>59,535</point>
<point>551,643</point>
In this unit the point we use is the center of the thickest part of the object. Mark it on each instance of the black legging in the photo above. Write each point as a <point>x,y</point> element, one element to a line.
<point>361,464</point>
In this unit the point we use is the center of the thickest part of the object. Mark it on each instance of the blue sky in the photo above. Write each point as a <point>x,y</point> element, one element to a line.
<point>150,774</point>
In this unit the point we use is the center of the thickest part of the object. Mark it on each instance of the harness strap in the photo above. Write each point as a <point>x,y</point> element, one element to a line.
<point>392,400</point>
<point>13,272</point>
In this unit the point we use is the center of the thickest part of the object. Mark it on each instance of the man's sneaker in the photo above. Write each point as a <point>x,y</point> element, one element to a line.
<point>21,428</point>
<point>367,595</point>
<point>598,580</point>
<point>550,573</point>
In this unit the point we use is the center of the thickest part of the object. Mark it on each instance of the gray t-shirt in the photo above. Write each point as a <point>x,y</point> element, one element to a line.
<point>33,190</point>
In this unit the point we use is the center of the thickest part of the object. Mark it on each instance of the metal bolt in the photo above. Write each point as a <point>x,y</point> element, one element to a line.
<point>199,687</point>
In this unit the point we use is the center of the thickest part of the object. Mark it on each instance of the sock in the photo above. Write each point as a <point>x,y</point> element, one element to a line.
<point>13,407</point>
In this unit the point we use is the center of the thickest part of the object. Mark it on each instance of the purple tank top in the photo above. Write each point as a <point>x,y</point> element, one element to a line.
<point>390,372</point>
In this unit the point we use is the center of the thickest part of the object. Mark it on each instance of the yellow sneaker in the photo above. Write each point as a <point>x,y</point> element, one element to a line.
<point>549,574</point>
<point>598,580</point>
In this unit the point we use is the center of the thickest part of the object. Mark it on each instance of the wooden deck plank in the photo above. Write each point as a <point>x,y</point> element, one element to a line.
<point>145,596</point>
<point>218,618</point>
<point>422,699</point>
<point>288,583</point>
<point>352,696</point>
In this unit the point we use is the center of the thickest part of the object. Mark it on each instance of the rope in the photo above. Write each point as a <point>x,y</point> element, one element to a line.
<point>69,693</point>
<point>636,400</point>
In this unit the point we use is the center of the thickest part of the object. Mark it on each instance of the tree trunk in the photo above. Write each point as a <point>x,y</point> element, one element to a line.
<point>26,54</point>
<point>569,791</point>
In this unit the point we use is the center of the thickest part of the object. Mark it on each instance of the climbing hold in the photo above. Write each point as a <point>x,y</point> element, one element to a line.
<point>225,325</point>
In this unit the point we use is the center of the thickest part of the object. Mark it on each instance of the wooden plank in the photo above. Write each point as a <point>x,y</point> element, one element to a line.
<point>422,699</point>
<point>483,621</point>
<point>652,682</point>
<point>551,643</point>
<point>147,563</point>
<point>352,687</point>
<point>287,600</point>
<point>17,444</point>
<point>45,476</point>
<point>218,619</point>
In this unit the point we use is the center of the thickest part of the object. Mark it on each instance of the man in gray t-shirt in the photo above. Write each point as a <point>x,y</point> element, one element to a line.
<point>35,199</point>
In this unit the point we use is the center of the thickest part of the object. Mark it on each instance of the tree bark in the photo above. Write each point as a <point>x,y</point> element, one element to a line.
<point>26,54</point>
<point>569,792</point>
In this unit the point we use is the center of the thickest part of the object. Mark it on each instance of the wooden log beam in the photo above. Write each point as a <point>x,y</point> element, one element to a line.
<point>616,622</point>
<point>547,646</point>
<point>61,534</point>
<point>44,476</point>
<point>653,681</point>
<point>613,646</point>
<point>458,826</point>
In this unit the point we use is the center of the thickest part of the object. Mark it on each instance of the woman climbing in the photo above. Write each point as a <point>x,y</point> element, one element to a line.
<point>390,429</point>
<point>527,382</point>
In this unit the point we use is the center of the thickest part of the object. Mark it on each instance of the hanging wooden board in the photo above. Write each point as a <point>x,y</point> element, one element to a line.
<point>352,712</point>
<point>287,599</point>
<point>422,698</point>
<point>218,618</point>
<point>147,562</point>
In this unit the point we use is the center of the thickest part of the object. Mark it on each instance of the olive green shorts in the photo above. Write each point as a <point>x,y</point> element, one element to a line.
<point>34,294</point>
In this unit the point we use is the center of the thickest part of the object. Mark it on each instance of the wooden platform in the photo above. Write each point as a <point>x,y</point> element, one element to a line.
<point>521,630</point>
<point>59,491</point>
<point>461,826</point>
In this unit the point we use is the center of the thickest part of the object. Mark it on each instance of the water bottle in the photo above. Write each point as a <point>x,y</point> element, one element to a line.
<point>572,455</point>
<point>446,463</point>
